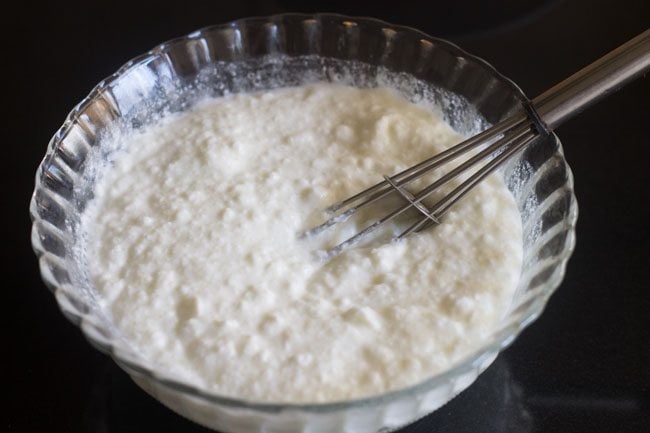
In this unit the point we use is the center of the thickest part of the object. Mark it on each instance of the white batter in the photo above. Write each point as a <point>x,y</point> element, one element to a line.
<point>193,244</point>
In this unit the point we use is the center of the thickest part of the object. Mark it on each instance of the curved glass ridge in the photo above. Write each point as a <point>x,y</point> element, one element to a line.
<point>293,49</point>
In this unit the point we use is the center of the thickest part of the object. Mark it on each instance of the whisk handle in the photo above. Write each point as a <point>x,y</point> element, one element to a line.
<point>591,83</point>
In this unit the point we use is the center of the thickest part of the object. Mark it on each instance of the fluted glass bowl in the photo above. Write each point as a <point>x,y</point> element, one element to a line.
<point>282,50</point>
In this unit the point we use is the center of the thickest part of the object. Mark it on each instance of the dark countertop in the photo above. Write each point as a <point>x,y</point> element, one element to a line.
<point>584,366</point>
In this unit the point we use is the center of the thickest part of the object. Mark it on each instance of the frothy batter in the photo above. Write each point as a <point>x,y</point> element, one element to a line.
<point>193,245</point>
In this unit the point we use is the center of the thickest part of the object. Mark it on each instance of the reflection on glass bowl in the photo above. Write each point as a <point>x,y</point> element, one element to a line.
<point>495,403</point>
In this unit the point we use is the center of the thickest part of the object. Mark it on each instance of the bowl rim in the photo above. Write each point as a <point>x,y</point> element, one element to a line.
<point>494,344</point>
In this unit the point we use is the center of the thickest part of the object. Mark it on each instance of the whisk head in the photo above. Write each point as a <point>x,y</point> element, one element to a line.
<point>491,147</point>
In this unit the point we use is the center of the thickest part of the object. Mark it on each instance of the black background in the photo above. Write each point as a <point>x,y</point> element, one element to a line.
<point>584,366</point>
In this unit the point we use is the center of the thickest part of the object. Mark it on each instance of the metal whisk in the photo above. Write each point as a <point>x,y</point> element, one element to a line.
<point>494,145</point>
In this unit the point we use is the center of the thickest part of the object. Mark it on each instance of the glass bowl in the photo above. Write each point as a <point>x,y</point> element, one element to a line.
<point>282,50</point>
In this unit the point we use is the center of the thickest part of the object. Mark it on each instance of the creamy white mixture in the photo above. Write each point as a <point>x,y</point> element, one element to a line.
<point>193,244</point>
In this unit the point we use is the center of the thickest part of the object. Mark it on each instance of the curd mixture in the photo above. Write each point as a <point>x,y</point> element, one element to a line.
<point>193,243</point>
